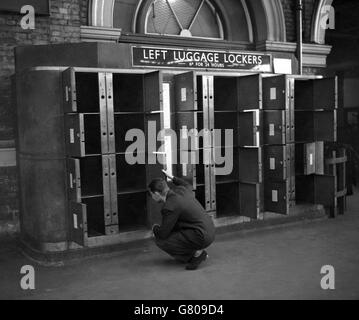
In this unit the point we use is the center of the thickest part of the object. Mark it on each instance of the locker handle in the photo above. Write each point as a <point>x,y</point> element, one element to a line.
<point>67,93</point>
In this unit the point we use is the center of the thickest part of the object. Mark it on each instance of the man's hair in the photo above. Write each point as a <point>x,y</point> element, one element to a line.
<point>159,185</point>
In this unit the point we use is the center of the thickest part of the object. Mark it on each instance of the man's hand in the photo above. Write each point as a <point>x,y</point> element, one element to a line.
<point>168,175</point>
<point>155,226</point>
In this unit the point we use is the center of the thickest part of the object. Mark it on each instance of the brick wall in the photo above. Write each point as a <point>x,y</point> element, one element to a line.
<point>289,8</point>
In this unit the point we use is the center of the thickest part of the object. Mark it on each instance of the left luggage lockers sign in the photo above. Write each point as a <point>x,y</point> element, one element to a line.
<point>98,107</point>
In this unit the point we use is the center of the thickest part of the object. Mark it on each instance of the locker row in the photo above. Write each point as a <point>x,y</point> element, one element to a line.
<point>135,92</point>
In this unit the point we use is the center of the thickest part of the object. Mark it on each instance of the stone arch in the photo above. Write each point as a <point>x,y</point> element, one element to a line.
<point>268,20</point>
<point>317,31</point>
<point>265,18</point>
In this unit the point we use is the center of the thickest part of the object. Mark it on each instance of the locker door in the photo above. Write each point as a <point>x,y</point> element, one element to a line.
<point>153,91</point>
<point>275,93</point>
<point>250,92</point>
<point>277,196</point>
<point>305,158</point>
<point>186,92</point>
<point>75,135</point>
<point>249,128</point>
<point>274,127</point>
<point>69,89</point>
<point>78,223</point>
<point>250,165</point>
<point>74,179</point>
<point>275,162</point>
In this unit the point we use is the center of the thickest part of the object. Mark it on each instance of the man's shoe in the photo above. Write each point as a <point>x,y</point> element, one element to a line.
<point>196,261</point>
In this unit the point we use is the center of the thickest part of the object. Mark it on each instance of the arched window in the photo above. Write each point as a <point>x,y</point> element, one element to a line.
<point>186,18</point>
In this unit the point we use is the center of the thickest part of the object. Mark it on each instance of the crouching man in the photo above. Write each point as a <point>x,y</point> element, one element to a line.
<point>186,229</point>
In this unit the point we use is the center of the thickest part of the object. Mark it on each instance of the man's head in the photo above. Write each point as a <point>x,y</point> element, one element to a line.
<point>158,189</point>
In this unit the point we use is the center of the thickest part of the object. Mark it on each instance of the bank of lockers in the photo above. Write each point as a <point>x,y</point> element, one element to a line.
<point>260,112</point>
<point>107,194</point>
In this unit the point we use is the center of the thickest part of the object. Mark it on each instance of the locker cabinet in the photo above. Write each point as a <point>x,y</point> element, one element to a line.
<point>104,188</point>
<point>316,94</point>
<point>108,169</point>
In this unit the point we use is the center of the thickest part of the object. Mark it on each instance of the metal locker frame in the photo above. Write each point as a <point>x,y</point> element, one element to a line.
<point>110,113</point>
<point>208,125</point>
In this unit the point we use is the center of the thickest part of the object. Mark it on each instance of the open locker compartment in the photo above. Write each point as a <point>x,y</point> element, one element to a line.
<point>123,124</point>
<point>226,165</point>
<point>226,97</point>
<point>316,94</point>
<point>131,177</point>
<point>128,91</point>
<point>227,199</point>
<point>226,125</point>
<point>250,200</point>
<point>315,126</point>
<point>89,183</point>
<point>81,91</point>
<point>132,211</point>
<point>316,189</point>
